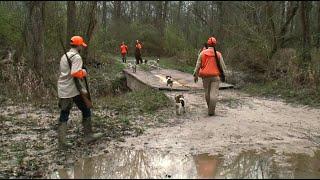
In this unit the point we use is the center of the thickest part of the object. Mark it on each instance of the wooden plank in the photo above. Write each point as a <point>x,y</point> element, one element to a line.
<point>157,79</point>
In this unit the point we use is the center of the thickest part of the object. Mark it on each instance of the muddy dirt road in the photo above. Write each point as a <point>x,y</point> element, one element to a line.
<point>250,137</point>
<point>242,123</point>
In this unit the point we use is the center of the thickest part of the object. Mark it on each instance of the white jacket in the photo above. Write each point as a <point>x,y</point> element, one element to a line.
<point>66,85</point>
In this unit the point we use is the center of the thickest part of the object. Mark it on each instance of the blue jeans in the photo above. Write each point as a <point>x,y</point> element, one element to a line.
<point>65,104</point>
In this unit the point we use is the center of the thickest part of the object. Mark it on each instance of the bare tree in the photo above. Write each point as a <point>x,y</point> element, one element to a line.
<point>179,11</point>
<point>71,20</point>
<point>132,11</point>
<point>305,9</point>
<point>221,8</point>
<point>158,17</point>
<point>35,34</point>
<point>284,29</point>
<point>280,39</point>
<point>164,17</point>
<point>91,27</point>
<point>272,28</point>
<point>104,14</point>
<point>318,28</point>
<point>117,10</point>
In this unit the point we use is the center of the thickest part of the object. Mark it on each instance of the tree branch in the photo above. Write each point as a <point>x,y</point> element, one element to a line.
<point>195,12</point>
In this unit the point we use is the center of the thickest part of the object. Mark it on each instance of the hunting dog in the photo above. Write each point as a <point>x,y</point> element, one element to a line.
<point>180,104</point>
<point>133,66</point>
<point>169,81</point>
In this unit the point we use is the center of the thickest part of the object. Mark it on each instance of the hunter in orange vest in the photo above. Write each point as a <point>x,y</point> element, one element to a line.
<point>124,50</point>
<point>210,67</point>
<point>138,52</point>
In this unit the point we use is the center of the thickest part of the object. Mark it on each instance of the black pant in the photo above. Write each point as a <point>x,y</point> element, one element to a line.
<point>65,105</point>
<point>138,58</point>
<point>124,59</point>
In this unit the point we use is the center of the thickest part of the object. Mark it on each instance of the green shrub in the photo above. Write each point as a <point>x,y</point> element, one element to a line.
<point>144,101</point>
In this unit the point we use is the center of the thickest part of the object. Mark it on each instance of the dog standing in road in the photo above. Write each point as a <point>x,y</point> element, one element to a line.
<point>180,104</point>
<point>169,81</point>
<point>134,68</point>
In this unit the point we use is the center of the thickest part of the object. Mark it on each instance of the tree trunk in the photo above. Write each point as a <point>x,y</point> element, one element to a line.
<point>220,33</point>
<point>132,11</point>
<point>35,34</point>
<point>158,18</point>
<point>164,17</point>
<point>104,14</point>
<point>284,29</point>
<point>212,16</point>
<point>279,40</point>
<point>165,11</point>
<point>179,11</point>
<point>318,31</point>
<point>305,9</point>
<point>117,10</point>
<point>91,27</point>
<point>71,21</point>
<point>198,11</point>
<point>274,46</point>
<point>140,10</point>
<point>283,12</point>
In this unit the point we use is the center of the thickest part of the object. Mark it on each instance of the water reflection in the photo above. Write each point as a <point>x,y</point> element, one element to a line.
<point>155,164</point>
<point>250,165</point>
<point>206,165</point>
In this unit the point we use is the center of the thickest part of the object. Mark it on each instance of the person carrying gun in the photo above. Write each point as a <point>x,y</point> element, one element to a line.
<point>138,52</point>
<point>211,68</point>
<point>71,90</point>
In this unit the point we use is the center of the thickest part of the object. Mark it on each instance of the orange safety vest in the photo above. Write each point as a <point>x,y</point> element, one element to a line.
<point>124,49</point>
<point>209,67</point>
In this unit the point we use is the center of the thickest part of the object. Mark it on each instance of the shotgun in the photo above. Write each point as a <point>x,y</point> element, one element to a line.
<point>222,76</point>
<point>85,96</point>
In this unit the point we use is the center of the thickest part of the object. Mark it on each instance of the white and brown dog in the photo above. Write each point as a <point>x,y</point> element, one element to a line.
<point>180,104</point>
<point>169,81</point>
<point>133,66</point>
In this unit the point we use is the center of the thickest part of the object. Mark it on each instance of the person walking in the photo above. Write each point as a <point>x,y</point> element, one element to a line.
<point>124,51</point>
<point>138,52</point>
<point>211,68</point>
<point>68,92</point>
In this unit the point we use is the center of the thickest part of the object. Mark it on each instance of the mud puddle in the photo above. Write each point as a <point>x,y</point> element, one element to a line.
<point>125,163</point>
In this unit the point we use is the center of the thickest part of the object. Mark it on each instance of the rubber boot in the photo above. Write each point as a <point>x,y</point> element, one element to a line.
<point>211,110</point>
<point>89,136</point>
<point>62,132</point>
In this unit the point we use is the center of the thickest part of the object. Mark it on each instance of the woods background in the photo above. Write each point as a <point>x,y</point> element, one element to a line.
<point>275,43</point>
